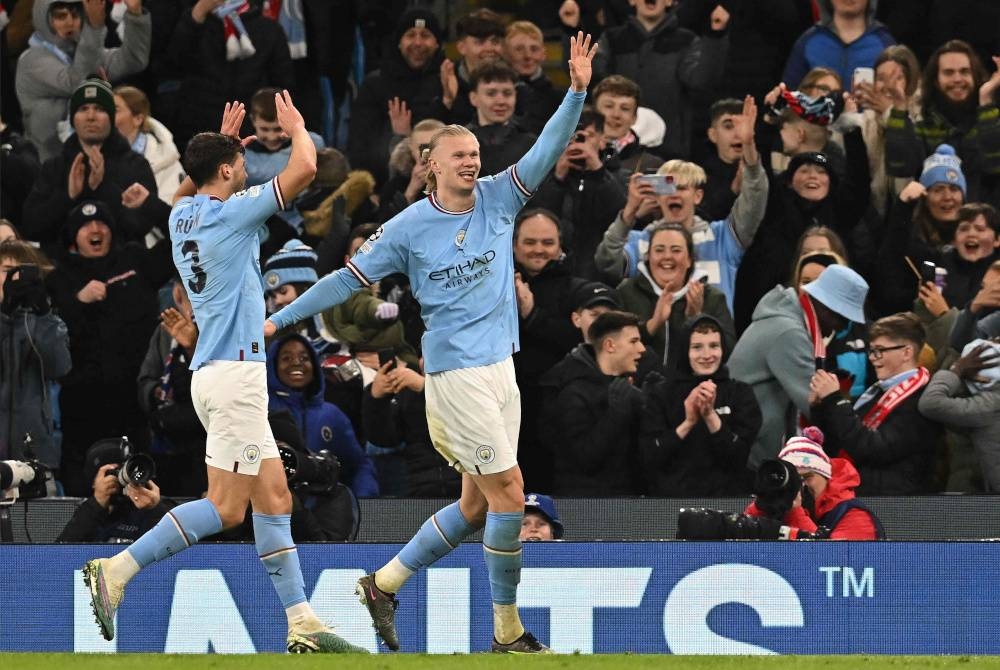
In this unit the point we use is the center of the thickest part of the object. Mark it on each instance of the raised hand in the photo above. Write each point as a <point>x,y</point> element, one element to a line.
<point>989,88</point>
<point>974,362</point>
<point>77,177</point>
<point>134,196</point>
<point>94,9</point>
<point>581,58</point>
<point>95,160</point>
<point>930,295</point>
<point>289,118</point>
<point>400,117</point>
<point>269,328</point>
<point>179,327</point>
<point>449,83</point>
<point>746,124</point>
<point>695,298</point>
<point>912,191</point>
<point>232,121</point>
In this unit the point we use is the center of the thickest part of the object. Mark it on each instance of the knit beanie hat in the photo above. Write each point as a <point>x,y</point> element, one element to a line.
<point>943,167</point>
<point>806,452</point>
<point>294,263</point>
<point>95,91</point>
<point>816,158</point>
<point>84,213</point>
<point>418,18</point>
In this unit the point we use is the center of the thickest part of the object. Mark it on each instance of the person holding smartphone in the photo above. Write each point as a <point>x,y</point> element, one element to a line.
<point>34,352</point>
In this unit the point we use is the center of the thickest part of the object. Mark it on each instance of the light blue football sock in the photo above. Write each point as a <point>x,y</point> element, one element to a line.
<point>502,552</point>
<point>177,530</point>
<point>273,536</point>
<point>439,535</point>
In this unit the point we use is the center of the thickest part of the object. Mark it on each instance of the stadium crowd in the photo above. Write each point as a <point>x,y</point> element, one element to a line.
<point>773,214</point>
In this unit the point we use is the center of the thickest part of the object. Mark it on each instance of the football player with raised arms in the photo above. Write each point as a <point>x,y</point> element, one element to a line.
<point>455,246</point>
<point>214,229</point>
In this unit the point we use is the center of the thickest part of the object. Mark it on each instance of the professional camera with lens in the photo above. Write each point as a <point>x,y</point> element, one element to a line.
<point>776,486</point>
<point>137,469</point>
<point>310,473</point>
<point>23,479</point>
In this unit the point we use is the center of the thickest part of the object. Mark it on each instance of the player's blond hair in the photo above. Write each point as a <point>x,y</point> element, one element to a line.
<point>453,130</point>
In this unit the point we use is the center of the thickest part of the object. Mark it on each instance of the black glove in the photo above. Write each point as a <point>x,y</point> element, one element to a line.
<point>24,293</point>
<point>623,397</point>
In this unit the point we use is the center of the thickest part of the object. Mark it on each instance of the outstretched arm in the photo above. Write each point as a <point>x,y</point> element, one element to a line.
<point>535,164</point>
<point>232,120</point>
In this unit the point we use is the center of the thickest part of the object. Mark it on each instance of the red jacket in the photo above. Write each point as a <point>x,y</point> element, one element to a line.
<point>856,524</point>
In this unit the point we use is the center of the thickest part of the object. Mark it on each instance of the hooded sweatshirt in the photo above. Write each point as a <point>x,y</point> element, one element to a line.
<point>775,357</point>
<point>702,463</point>
<point>822,46</point>
<point>322,424</point>
<point>51,68</point>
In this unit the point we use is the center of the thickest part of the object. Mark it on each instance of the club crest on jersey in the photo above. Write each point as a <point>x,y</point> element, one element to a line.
<point>460,238</point>
<point>326,433</point>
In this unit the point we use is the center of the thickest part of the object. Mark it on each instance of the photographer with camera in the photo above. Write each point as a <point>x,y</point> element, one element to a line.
<point>294,385</point>
<point>826,497</point>
<point>125,501</point>
<point>34,351</point>
<point>802,495</point>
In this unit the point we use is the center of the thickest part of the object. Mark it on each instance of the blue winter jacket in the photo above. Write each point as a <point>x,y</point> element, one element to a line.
<point>323,424</point>
<point>821,46</point>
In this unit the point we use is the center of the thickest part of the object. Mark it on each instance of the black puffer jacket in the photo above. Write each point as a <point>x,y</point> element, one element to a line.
<point>547,333</point>
<point>895,460</point>
<point>594,444</point>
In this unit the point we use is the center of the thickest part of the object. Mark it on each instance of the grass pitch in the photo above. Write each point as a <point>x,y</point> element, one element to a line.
<point>42,661</point>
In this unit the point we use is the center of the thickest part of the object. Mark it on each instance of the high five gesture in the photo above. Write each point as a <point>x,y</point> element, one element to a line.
<point>581,56</point>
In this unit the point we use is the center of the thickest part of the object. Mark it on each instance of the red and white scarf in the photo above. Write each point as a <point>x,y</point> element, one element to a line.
<point>815,334</point>
<point>894,397</point>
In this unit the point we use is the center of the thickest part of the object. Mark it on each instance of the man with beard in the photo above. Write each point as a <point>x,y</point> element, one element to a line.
<point>959,108</point>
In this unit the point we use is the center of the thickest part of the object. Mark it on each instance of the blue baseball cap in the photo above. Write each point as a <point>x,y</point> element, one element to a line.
<point>542,504</point>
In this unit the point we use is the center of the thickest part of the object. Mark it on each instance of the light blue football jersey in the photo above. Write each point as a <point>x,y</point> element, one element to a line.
<point>460,264</point>
<point>216,250</point>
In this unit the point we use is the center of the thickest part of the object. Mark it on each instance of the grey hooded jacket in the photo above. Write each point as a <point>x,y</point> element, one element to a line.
<point>51,68</point>
<point>775,356</point>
